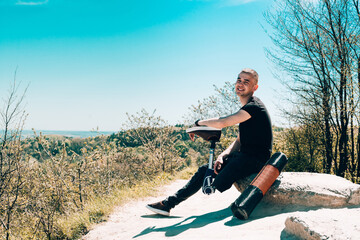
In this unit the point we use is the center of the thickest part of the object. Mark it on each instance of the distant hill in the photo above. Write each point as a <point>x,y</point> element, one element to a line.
<point>72,134</point>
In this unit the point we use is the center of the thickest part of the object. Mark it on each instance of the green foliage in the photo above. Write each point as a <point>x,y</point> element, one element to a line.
<point>303,147</point>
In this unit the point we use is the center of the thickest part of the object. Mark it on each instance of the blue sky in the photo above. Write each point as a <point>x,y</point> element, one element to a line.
<point>89,62</point>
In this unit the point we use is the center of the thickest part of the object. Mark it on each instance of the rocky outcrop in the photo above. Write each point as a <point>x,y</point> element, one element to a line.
<point>337,198</point>
<point>325,224</point>
<point>309,189</point>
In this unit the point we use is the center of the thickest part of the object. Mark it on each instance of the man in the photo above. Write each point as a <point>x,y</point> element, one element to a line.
<point>245,156</point>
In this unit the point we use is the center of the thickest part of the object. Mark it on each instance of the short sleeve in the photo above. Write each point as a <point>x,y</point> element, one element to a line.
<point>251,108</point>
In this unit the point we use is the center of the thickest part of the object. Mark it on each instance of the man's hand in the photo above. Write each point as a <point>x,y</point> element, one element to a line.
<point>218,163</point>
<point>192,136</point>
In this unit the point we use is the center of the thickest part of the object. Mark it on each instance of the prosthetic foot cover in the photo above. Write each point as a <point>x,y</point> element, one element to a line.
<point>207,187</point>
<point>249,199</point>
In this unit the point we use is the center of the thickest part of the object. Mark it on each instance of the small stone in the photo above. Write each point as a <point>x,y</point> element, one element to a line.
<point>340,224</point>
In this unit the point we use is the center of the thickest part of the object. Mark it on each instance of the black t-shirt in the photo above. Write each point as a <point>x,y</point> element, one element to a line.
<point>256,133</point>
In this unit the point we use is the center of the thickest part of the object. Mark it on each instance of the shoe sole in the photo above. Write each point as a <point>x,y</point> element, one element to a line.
<point>158,211</point>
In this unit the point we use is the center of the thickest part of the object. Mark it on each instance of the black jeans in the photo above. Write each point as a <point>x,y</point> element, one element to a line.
<point>236,166</point>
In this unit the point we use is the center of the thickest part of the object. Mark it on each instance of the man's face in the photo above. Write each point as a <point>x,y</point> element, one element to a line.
<point>245,85</point>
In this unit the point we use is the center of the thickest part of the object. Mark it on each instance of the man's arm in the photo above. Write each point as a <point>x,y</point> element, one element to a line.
<point>235,146</point>
<point>238,117</point>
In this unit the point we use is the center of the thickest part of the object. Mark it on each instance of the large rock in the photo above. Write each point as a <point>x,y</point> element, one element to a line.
<point>309,189</point>
<point>325,224</point>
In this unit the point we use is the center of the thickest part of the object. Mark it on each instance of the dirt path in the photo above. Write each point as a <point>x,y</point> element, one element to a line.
<point>200,217</point>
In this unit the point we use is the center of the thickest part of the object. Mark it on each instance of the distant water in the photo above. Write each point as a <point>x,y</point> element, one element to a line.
<point>73,134</point>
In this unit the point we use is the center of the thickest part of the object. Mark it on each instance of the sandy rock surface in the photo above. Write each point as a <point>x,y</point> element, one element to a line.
<point>200,217</point>
<point>310,189</point>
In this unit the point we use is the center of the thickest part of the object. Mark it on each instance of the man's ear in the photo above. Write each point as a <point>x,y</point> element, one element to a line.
<point>256,87</point>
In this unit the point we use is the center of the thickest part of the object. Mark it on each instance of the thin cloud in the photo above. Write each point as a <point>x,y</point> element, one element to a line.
<point>237,2</point>
<point>227,2</point>
<point>31,3</point>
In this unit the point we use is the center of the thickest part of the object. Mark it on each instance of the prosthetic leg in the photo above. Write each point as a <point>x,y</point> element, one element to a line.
<point>207,187</point>
<point>249,199</point>
<point>213,135</point>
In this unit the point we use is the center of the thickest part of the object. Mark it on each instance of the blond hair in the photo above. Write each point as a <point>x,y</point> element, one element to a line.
<point>252,72</point>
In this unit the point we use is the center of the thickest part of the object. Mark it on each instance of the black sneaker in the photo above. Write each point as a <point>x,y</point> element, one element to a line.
<point>159,208</point>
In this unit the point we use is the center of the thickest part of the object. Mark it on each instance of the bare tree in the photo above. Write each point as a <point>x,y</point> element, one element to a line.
<point>316,42</point>
<point>155,136</point>
<point>12,160</point>
<point>223,102</point>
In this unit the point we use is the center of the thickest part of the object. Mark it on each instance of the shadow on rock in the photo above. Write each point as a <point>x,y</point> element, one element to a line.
<point>288,236</point>
<point>267,210</point>
<point>188,223</point>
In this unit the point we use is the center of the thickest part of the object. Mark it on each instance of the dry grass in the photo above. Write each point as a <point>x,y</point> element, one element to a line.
<point>98,209</point>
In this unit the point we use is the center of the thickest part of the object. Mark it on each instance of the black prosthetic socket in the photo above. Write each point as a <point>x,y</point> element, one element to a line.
<point>248,200</point>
